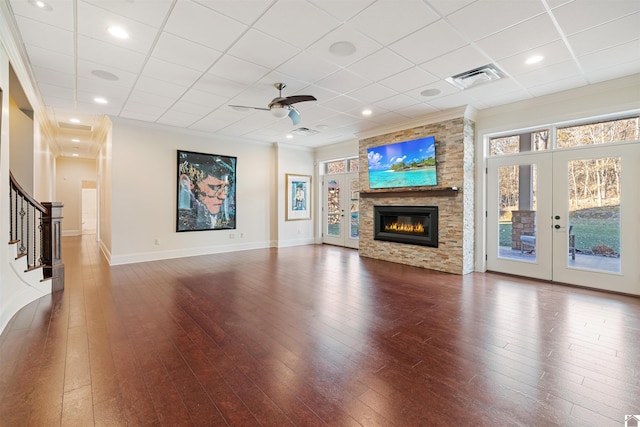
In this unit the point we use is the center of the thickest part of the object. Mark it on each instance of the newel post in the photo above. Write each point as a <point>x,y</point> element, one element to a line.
<point>52,245</point>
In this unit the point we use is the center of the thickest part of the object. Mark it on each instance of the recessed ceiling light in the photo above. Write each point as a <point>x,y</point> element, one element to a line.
<point>118,32</point>
<point>430,92</point>
<point>534,59</point>
<point>105,75</point>
<point>342,48</point>
<point>289,136</point>
<point>41,5</point>
<point>75,140</point>
<point>100,100</point>
<point>366,112</point>
<point>76,155</point>
<point>74,120</point>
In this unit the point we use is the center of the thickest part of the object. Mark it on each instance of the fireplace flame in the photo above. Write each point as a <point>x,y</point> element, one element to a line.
<point>404,228</point>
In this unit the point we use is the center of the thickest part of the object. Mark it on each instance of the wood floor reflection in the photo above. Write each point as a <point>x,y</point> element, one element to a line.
<point>314,335</point>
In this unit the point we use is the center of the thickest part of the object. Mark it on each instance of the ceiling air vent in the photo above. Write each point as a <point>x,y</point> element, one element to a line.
<point>305,131</point>
<point>477,76</point>
<point>73,126</point>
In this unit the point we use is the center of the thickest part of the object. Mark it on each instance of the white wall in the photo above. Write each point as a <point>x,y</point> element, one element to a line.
<point>144,187</point>
<point>21,151</point>
<point>296,161</point>
<point>70,174</point>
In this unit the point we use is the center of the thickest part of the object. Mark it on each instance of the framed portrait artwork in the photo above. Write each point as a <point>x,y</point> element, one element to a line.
<point>206,192</point>
<point>298,197</point>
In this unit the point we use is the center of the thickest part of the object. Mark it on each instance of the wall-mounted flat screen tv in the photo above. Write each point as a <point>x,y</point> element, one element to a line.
<point>403,164</point>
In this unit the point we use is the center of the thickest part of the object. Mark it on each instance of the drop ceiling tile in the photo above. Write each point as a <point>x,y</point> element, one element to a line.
<point>53,77</point>
<point>485,17</point>
<point>202,25</point>
<point>395,102</point>
<point>178,119</point>
<point>307,67</point>
<point>343,103</point>
<point>372,93</point>
<point>244,11</point>
<point>558,86</point>
<point>380,65</point>
<point>342,10</point>
<point>171,48</point>
<point>580,15</point>
<point>428,43</point>
<point>296,22</point>
<point>148,12</point>
<point>446,7</point>
<point>102,88</point>
<point>153,100</point>
<point>553,53</point>
<point>166,88</point>
<point>455,62</point>
<point>501,99</point>
<point>170,72</point>
<point>86,68</point>
<point>546,75</point>
<point>45,36</point>
<point>52,91</point>
<point>140,112</point>
<point>94,22</point>
<point>453,101</point>
<point>210,83</point>
<point>343,81</point>
<point>60,15</point>
<point>421,109</point>
<point>520,38</point>
<point>204,99</point>
<point>238,70</point>
<point>617,55</point>
<point>100,52</point>
<point>619,70</point>
<point>44,58</point>
<point>410,79</point>
<point>261,49</point>
<point>412,15</point>
<point>607,35</point>
<point>364,46</point>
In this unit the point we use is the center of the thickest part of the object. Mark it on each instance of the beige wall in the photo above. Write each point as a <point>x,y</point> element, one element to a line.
<point>70,174</point>
<point>21,152</point>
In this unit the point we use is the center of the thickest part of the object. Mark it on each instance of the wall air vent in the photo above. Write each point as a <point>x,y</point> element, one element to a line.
<point>73,126</point>
<point>305,131</point>
<point>477,76</point>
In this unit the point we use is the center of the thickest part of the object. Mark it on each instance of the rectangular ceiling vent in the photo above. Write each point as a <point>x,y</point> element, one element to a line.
<point>477,76</point>
<point>305,131</point>
<point>74,126</point>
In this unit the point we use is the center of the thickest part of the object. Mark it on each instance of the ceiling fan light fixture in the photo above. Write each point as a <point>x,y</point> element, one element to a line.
<point>279,111</point>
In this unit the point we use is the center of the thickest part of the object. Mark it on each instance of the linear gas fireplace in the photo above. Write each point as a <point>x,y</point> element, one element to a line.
<point>415,225</point>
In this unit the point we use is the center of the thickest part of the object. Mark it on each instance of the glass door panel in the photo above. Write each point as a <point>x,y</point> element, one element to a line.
<point>334,209</point>
<point>341,219</point>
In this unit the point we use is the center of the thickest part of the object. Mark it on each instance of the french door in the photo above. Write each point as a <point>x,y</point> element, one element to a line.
<point>341,209</point>
<point>569,216</point>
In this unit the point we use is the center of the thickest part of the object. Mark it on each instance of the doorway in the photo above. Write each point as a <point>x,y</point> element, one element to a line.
<point>566,216</point>
<point>89,207</point>
<point>341,209</point>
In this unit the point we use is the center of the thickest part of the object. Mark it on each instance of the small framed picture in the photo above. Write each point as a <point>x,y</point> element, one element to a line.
<point>298,197</point>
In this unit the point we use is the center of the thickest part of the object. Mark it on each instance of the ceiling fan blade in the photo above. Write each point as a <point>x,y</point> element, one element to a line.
<point>294,115</point>
<point>251,108</point>
<point>297,98</point>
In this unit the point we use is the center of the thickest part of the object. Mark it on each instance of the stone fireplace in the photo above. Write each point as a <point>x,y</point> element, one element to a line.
<point>452,249</point>
<point>415,225</point>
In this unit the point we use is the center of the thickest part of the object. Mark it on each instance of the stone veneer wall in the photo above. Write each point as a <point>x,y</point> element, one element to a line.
<point>455,168</point>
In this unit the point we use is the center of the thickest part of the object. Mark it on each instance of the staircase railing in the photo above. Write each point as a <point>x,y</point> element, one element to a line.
<point>37,230</point>
<point>26,230</point>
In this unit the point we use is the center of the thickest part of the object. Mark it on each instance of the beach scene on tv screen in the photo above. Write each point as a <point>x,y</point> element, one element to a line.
<point>403,164</point>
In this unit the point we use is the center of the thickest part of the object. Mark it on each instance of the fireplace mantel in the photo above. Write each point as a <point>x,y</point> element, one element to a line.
<point>447,191</point>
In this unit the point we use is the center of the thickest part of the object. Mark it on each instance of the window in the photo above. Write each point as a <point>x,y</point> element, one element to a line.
<point>599,133</point>
<point>342,166</point>
<point>527,141</point>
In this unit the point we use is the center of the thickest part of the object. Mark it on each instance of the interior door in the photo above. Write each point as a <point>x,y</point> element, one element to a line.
<point>341,209</point>
<point>569,216</point>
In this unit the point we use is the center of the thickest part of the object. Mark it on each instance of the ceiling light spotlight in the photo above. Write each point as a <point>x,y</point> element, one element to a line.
<point>118,32</point>
<point>76,155</point>
<point>74,120</point>
<point>289,136</point>
<point>430,92</point>
<point>279,111</point>
<point>342,48</point>
<point>75,140</point>
<point>100,100</point>
<point>534,59</point>
<point>366,112</point>
<point>41,5</point>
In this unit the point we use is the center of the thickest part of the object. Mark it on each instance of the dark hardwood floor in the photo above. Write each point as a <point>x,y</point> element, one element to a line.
<point>314,335</point>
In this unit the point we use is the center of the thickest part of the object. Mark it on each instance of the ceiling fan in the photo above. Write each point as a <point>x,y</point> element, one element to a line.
<point>282,106</point>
